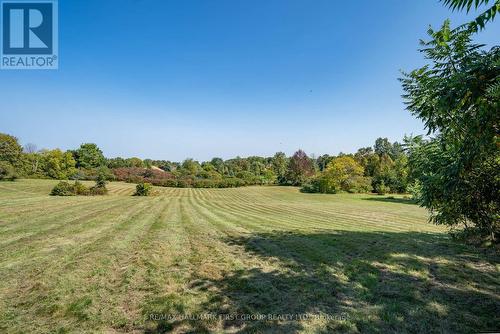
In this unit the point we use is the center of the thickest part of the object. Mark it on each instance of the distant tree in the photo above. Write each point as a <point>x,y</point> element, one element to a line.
<point>385,174</point>
<point>31,164</point>
<point>117,162</point>
<point>58,164</point>
<point>135,162</point>
<point>342,174</point>
<point>280,166</point>
<point>371,164</point>
<point>363,155</point>
<point>268,176</point>
<point>190,167</point>
<point>10,150</point>
<point>323,160</point>
<point>383,146</point>
<point>219,165</point>
<point>89,156</point>
<point>397,151</point>
<point>7,171</point>
<point>300,168</point>
<point>208,167</point>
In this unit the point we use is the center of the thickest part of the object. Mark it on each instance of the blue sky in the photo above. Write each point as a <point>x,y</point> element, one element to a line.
<point>173,79</point>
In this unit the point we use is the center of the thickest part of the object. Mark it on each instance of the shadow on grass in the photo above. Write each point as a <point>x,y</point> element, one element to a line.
<point>354,282</point>
<point>391,199</point>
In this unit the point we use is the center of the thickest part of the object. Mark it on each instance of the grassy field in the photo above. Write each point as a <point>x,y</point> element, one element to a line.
<point>296,262</point>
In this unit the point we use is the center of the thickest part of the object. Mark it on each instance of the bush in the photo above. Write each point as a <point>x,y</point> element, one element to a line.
<point>143,189</point>
<point>415,190</point>
<point>63,188</point>
<point>100,185</point>
<point>183,183</point>
<point>381,188</point>
<point>100,181</point>
<point>95,190</point>
<point>310,187</point>
<point>168,183</point>
<point>7,171</point>
<point>80,189</point>
<point>359,184</point>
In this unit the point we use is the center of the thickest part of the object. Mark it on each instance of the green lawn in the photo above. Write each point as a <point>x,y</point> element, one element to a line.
<point>120,264</point>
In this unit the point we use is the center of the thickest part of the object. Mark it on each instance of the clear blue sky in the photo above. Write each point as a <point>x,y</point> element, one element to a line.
<point>173,79</point>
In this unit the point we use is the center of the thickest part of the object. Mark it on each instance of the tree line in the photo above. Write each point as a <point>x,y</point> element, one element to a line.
<point>381,168</point>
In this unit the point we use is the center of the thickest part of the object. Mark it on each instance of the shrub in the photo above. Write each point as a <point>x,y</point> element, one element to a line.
<point>169,183</point>
<point>359,184</point>
<point>100,181</point>
<point>100,185</point>
<point>310,187</point>
<point>143,189</point>
<point>7,171</point>
<point>63,188</point>
<point>381,188</point>
<point>182,183</point>
<point>80,189</point>
<point>95,190</point>
<point>415,190</point>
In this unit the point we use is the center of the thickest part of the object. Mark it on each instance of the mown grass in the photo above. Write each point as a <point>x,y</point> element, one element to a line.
<point>120,264</point>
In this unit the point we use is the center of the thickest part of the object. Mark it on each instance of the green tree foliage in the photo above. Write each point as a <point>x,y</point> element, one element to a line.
<point>386,163</point>
<point>7,171</point>
<point>300,168</point>
<point>63,188</point>
<point>100,185</point>
<point>143,189</point>
<point>10,157</point>
<point>219,165</point>
<point>117,162</point>
<point>280,166</point>
<point>135,162</point>
<point>268,176</point>
<point>10,150</point>
<point>89,156</point>
<point>80,189</point>
<point>31,162</point>
<point>101,180</point>
<point>485,17</point>
<point>393,175</point>
<point>343,174</point>
<point>384,147</point>
<point>58,164</point>
<point>323,160</point>
<point>191,167</point>
<point>458,97</point>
